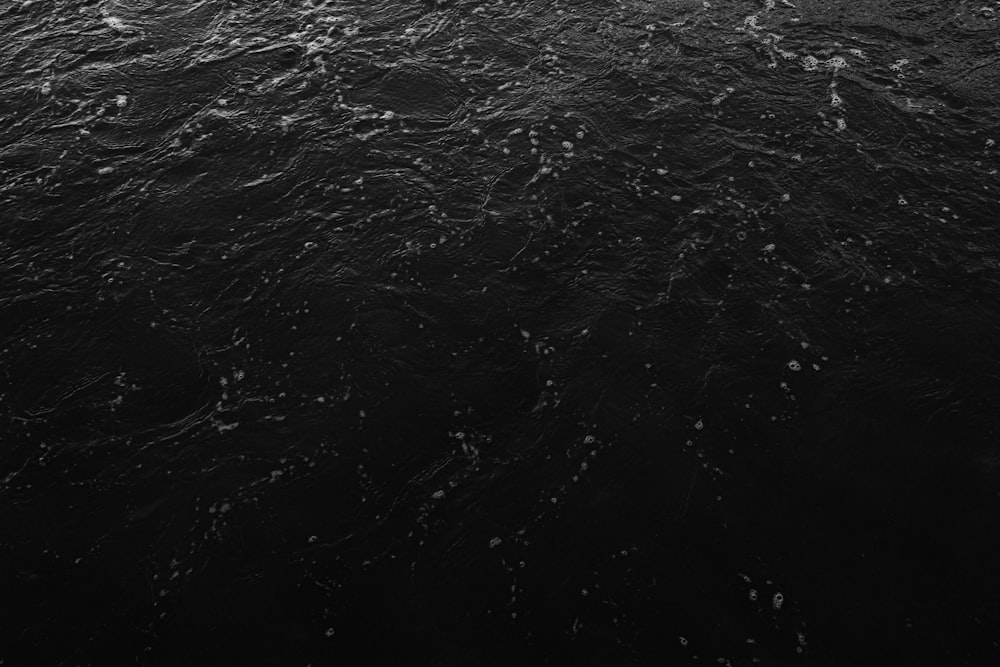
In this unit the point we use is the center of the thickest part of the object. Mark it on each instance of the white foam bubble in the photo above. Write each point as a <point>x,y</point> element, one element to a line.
<point>835,63</point>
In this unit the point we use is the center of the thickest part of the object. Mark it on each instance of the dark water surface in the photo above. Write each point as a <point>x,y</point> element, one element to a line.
<point>493,333</point>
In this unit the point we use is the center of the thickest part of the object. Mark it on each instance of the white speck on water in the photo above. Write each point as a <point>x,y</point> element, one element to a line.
<point>495,542</point>
<point>699,425</point>
<point>115,23</point>
<point>794,365</point>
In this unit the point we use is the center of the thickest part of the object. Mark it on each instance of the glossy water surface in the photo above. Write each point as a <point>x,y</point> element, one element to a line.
<point>484,332</point>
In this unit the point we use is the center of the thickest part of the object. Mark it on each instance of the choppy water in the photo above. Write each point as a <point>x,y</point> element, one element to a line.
<point>499,332</point>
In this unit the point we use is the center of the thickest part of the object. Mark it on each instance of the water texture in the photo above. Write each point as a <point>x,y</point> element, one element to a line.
<point>484,332</point>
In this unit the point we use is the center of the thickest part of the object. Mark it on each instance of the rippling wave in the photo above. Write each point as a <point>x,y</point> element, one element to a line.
<point>480,331</point>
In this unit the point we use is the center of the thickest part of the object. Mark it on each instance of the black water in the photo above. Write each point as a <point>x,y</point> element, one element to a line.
<point>491,333</point>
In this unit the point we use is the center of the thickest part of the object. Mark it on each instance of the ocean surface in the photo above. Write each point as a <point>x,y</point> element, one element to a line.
<point>476,332</point>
